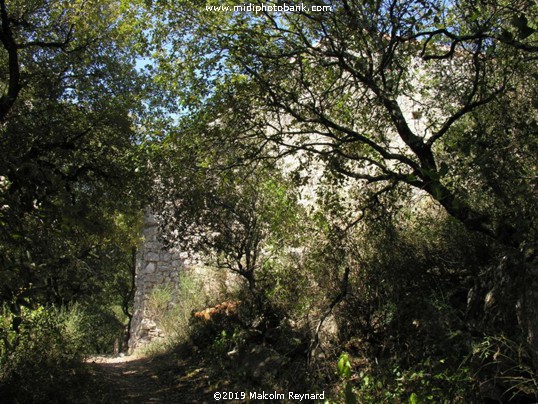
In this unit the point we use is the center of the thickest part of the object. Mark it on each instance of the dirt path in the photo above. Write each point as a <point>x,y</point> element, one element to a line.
<point>185,376</point>
<point>171,378</point>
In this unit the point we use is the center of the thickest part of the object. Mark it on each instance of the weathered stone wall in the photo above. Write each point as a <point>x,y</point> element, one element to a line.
<point>155,266</point>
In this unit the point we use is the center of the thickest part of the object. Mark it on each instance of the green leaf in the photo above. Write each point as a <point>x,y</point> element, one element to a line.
<point>413,399</point>
<point>344,367</point>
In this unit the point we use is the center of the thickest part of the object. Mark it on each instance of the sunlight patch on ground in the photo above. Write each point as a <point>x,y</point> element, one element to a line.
<point>110,359</point>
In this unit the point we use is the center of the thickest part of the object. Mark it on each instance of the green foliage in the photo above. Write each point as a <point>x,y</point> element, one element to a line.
<point>344,367</point>
<point>508,363</point>
<point>424,384</point>
<point>222,344</point>
<point>419,118</point>
<point>160,298</point>
<point>67,149</point>
<point>405,306</point>
<point>102,329</point>
<point>190,297</point>
<point>42,362</point>
<point>70,167</point>
<point>415,121</point>
<point>344,372</point>
<point>172,307</point>
<point>70,179</point>
<point>241,218</point>
<point>449,62</point>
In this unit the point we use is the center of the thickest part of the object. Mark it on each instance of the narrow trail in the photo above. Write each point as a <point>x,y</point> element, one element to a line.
<point>168,378</point>
<point>188,375</point>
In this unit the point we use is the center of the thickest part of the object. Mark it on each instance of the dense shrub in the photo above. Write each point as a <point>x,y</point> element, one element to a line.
<point>171,306</point>
<point>420,312</point>
<point>42,361</point>
<point>103,330</point>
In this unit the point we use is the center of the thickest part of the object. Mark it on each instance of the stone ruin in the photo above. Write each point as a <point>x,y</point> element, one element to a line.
<point>156,265</point>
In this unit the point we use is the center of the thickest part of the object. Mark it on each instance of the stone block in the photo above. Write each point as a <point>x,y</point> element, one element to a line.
<point>165,256</point>
<point>150,232</point>
<point>152,256</point>
<point>150,268</point>
<point>152,245</point>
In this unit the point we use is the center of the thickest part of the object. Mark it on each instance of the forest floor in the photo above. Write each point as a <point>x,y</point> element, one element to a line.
<point>176,377</point>
<point>189,374</point>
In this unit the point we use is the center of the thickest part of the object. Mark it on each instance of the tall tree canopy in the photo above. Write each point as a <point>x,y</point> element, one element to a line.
<point>373,104</point>
<point>435,96</point>
<point>69,98</point>
<point>391,89</point>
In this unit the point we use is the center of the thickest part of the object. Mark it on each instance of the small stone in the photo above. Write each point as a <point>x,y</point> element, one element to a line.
<point>150,232</point>
<point>150,268</point>
<point>151,256</point>
<point>165,256</point>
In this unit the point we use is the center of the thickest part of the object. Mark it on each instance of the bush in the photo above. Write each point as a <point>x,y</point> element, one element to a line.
<point>506,373</point>
<point>171,306</point>
<point>42,360</point>
<point>214,324</point>
<point>404,319</point>
<point>101,328</point>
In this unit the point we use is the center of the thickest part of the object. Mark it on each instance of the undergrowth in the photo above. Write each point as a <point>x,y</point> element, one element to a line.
<point>42,361</point>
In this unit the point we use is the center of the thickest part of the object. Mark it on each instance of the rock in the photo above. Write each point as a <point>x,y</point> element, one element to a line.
<point>152,256</point>
<point>261,362</point>
<point>150,268</point>
<point>155,266</point>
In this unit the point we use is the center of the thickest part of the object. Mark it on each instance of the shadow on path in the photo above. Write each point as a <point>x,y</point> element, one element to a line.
<point>176,377</point>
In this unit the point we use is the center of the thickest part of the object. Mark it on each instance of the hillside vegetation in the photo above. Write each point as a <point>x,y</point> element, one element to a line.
<point>367,170</point>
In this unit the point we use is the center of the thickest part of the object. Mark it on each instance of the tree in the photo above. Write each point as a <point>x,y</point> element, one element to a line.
<point>68,147</point>
<point>238,218</point>
<point>416,69</point>
<point>439,97</point>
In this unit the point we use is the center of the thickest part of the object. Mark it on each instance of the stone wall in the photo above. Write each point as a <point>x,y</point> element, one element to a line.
<point>155,266</point>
